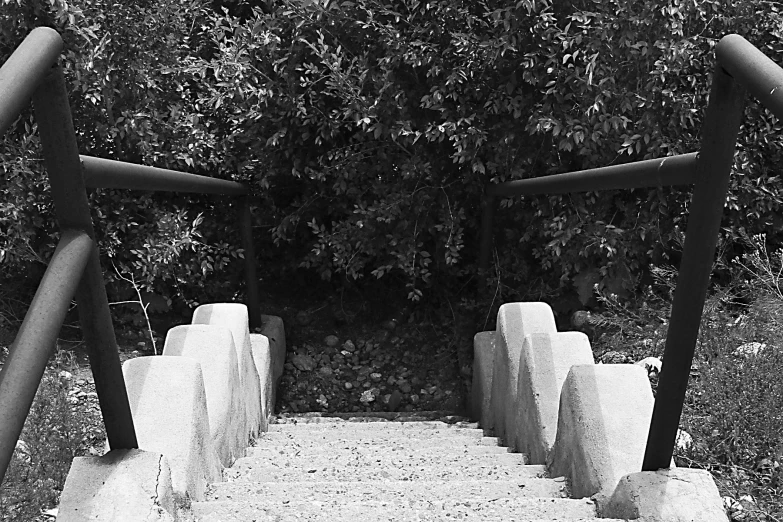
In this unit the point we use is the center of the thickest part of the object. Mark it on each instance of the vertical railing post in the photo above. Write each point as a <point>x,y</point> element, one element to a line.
<point>720,129</point>
<point>251,280</point>
<point>485,246</point>
<point>61,158</point>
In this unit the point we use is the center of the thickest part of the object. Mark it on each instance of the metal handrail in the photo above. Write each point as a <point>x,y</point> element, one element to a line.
<point>739,64</point>
<point>36,339</point>
<point>105,173</point>
<point>75,270</point>
<point>663,172</point>
<point>24,70</point>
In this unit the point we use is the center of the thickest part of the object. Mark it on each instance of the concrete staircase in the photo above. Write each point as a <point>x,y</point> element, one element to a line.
<point>423,466</point>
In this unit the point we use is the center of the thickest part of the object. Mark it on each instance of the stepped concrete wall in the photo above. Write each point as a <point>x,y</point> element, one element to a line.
<point>195,411</point>
<point>589,423</point>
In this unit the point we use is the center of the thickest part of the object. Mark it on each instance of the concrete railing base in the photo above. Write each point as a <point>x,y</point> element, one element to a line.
<point>668,495</point>
<point>123,485</point>
<point>197,409</point>
<point>527,379</point>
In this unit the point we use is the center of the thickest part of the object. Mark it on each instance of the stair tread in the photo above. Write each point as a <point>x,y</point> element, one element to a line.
<point>374,425</point>
<point>362,459</point>
<point>252,472</point>
<point>365,430</point>
<point>361,440</point>
<point>380,416</point>
<point>271,450</point>
<point>496,509</point>
<point>353,491</point>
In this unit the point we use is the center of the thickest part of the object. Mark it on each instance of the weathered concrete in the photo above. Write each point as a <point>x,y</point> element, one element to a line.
<point>669,495</point>
<point>213,347</point>
<point>169,409</point>
<point>234,317</point>
<point>121,486</point>
<point>521,509</point>
<point>260,348</point>
<point>603,421</point>
<point>481,388</point>
<point>393,490</point>
<point>544,364</point>
<point>273,329</point>
<point>515,322</point>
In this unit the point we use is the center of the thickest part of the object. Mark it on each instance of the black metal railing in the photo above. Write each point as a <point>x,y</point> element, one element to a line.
<point>75,271</point>
<point>739,65</point>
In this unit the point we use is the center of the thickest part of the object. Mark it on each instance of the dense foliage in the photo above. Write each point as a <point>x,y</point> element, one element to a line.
<point>369,128</point>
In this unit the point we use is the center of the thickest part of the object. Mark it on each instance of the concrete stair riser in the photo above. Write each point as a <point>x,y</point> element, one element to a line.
<point>360,459</point>
<point>233,512</point>
<point>382,425</point>
<point>414,491</point>
<point>498,510</point>
<point>349,433</point>
<point>250,471</point>
<point>307,451</point>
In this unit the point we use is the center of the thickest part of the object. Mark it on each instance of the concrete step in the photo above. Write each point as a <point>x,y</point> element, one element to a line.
<point>361,440</point>
<point>369,416</point>
<point>358,459</point>
<point>374,424</point>
<point>365,430</point>
<point>249,470</point>
<point>356,492</point>
<point>273,451</point>
<point>521,509</point>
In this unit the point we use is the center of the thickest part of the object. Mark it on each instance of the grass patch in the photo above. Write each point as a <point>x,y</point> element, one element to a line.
<point>60,426</point>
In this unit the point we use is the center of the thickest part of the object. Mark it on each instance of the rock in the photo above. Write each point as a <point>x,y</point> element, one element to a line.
<point>684,441</point>
<point>331,340</point>
<point>381,335</point>
<point>303,362</point>
<point>389,325</point>
<point>367,397</point>
<point>348,386</point>
<point>375,377</point>
<point>349,346</point>
<point>612,357</point>
<point>651,364</point>
<point>749,349</point>
<point>326,371</point>
<point>395,398</point>
<point>405,388</point>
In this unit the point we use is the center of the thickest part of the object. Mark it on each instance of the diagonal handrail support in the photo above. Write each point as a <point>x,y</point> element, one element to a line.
<point>721,126</point>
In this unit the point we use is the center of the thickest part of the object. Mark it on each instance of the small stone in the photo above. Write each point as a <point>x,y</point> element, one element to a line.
<point>326,371</point>
<point>684,441</point>
<point>303,363</point>
<point>405,388</point>
<point>612,357</point>
<point>651,364</point>
<point>348,386</point>
<point>414,398</point>
<point>390,380</point>
<point>331,340</point>
<point>389,325</point>
<point>394,400</point>
<point>749,349</point>
<point>375,377</point>
<point>367,397</point>
<point>303,318</point>
<point>349,346</point>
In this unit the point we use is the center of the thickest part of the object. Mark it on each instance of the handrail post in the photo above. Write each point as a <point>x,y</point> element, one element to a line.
<point>720,129</point>
<point>61,158</point>
<point>485,246</point>
<point>251,280</point>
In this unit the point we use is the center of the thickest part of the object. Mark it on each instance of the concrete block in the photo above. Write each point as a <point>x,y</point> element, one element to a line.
<point>544,364</point>
<point>481,388</point>
<point>169,408</point>
<point>123,485</point>
<point>667,495</point>
<point>260,347</point>
<point>234,317</point>
<point>603,421</point>
<point>515,322</point>
<point>213,347</point>
<point>273,329</point>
